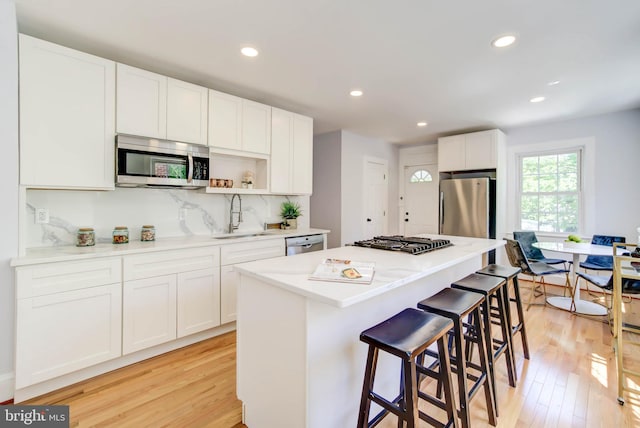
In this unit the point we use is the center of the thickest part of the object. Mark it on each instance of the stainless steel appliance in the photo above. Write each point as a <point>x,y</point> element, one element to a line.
<point>304,244</point>
<point>142,162</point>
<point>409,244</point>
<point>467,207</point>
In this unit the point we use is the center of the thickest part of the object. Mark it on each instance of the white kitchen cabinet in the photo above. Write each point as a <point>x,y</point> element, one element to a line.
<point>198,303</point>
<point>67,117</point>
<point>68,317</point>
<point>141,102</point>
<point>291,153</point>
<point>187,106</point>
<point>473,151</point>
<point>148,312</point>
<point>240,253</point>
<point>169,294</point>
<point>239,124</point>
<point>156,106</point>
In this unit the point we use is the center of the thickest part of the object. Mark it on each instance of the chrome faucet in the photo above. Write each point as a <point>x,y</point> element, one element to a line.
<point>233,226</point>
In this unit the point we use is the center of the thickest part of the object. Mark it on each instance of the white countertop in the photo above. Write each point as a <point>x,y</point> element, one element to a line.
<point>392,270</point>
<point>71,253</point>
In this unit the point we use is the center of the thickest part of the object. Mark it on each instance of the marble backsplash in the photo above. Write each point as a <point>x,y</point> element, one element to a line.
<point>173,212</point>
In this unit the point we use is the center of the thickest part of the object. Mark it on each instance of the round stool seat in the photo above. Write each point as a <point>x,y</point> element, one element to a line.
<point>450,301</point>
<point>407,333</point>
<point>482,284</point>
<point>505,272</point>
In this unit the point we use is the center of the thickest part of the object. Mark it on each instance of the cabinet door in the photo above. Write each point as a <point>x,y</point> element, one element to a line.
<point>481,150</point>
<point>452,153</point>
<point>67,117</point>
<point>141,102</point>
<point>60,333</point>
<point>229,280</point>
<point>198,301</point>
<point>281,150</point>
<point>186,112</point>
<point>148,312</point>
<point>302,155</point>
<point>225,116</point>
<point>256,127</point>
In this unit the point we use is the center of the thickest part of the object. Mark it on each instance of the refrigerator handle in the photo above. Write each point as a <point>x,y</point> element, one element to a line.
<point>441,211</point>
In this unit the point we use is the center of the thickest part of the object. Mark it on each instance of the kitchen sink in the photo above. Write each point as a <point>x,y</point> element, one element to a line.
<point>239,235</point>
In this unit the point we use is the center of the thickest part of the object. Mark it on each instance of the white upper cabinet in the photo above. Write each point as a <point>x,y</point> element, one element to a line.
<point>225,120</point>
<point>473,151</point>
<point>239,124</point>
<point>291,153</point>
<point>67,117</point>
<point>153,105</point>
<point>186,112</point>
<point>141,102</point>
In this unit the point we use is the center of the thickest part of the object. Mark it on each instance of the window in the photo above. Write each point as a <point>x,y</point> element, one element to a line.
<point>550,197</point>
<point>421,176</point>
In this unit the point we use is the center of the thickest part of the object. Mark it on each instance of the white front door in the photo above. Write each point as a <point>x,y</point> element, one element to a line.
<point>376,173</point>
<point>420,213</point>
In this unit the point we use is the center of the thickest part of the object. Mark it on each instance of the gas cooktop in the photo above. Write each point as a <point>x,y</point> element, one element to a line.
<point>408,244</point>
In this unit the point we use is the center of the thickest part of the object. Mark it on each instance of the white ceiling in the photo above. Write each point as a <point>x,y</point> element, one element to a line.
<point>415,60</point>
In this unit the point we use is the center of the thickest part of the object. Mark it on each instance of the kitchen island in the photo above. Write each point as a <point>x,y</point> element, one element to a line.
<point>300,360</point>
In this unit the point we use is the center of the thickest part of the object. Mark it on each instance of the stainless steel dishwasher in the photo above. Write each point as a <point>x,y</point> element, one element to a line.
<point>304,244</point>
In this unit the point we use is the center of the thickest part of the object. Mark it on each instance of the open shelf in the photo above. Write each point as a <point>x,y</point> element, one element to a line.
<point>233,166</point>
<point>238,190</point>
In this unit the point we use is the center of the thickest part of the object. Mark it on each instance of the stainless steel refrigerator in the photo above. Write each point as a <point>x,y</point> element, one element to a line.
<point>467,207</point>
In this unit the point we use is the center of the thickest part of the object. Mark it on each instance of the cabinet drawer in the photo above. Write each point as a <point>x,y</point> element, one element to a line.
<point>168,262</point>
<point>250,251</point>
<point>49,278</point>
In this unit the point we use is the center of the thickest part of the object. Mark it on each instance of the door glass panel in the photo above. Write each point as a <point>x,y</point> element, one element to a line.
<point>421,176</point>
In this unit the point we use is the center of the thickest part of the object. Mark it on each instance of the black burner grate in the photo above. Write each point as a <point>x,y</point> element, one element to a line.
<point>408,244</point>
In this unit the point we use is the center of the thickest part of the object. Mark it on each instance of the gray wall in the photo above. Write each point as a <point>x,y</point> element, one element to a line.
<point>325,201</point>
<point>9,192</point>
<point>617,164</point>
<point>355,148</point>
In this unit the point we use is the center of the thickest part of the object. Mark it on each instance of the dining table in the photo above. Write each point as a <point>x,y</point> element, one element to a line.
<point>576,249</point>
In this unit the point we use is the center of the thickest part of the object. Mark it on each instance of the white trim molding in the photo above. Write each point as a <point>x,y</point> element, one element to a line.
<point>7,382</point>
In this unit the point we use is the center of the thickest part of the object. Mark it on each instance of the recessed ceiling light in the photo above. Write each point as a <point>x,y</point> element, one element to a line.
<point>536,99</point>
<point>421,124</point>
<point>249,51</point>
<point>356,93</point>
<point>553,82</point>
<point>503,41</point>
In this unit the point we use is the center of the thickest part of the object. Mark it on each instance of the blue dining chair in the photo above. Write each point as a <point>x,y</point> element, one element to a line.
<point>527,239</point>
<point>600,263</point>
<point>535,269</point>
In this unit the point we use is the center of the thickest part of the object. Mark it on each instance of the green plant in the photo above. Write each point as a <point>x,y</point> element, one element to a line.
<point>290,210</point>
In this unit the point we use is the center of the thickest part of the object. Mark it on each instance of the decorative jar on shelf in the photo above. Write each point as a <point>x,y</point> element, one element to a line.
<point>86,237</point>
<point>121,235</point>
<point>148,233</point>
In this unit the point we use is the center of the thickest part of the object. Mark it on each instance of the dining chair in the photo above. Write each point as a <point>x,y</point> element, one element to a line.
<point>600,263</point>
<point>605,283</point>
<point>526,239</point>
<point>535,269</point>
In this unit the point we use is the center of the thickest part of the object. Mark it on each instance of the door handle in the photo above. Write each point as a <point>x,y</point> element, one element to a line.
<point>441,210</point>
<point>406,219</point>
<point>368,219</point>
<point>190,168</point>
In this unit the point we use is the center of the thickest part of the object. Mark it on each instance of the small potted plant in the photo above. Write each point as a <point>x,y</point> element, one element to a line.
<point>290,211</point>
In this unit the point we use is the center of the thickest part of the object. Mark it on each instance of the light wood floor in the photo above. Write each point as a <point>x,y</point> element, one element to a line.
<point>570,381</point>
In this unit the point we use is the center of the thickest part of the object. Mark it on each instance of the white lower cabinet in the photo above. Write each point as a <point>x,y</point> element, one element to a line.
<point>62,327</point>
<point>240,253</point>
<point>169,294</point>
<point>148,312</point>
<point>198,301</point>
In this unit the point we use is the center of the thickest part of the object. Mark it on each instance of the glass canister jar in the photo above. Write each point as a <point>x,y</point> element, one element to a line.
<point>120,235</point>
<point>148,233</point>
<point>86,237</point>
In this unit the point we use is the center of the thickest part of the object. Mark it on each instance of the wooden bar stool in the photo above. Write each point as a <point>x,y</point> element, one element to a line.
<point>407,335</point>
<point>493,288</point>
<point>510,274</point>
<point>457,305</point>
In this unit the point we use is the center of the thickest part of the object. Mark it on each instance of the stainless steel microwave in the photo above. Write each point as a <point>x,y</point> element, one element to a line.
<point>147,162</point>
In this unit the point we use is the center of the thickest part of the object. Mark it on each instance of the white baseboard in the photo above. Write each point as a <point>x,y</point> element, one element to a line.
<point>7,381</point>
